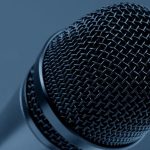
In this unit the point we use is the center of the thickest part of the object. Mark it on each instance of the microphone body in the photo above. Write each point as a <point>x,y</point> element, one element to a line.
<point>88,89</point>
<point>17,129</point>
<point>15,132</point>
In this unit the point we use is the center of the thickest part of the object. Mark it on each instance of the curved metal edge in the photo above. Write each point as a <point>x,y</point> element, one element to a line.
<point>68,134</point>
<point>34,129</point>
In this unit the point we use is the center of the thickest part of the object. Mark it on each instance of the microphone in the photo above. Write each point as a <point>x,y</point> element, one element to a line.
<point>89,89</point>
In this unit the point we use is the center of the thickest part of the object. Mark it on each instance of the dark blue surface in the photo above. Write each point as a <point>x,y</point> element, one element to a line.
<point>25,25</point>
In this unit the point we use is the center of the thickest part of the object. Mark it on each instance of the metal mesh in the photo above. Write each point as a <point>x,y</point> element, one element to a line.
<point>97,75</point>
<point>40,120</point>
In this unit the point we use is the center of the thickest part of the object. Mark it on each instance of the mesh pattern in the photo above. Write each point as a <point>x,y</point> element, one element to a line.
<point>97,75</point>
<point>39,119</point>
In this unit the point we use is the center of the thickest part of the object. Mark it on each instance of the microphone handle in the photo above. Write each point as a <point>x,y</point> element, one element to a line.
<point>15,133</point>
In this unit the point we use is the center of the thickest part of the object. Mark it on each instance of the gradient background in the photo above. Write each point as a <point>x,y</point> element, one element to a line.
<point>25,25</point>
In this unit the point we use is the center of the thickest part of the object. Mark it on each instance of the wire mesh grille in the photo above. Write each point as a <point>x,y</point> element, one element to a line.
<point>97,75</point>
<point>40,120</point>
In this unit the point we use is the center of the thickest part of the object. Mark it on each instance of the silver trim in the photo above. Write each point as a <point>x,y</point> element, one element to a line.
<point>30,123</point>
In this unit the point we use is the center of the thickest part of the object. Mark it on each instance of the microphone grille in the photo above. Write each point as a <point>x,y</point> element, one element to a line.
<point>97,75</point>
<point>39,118</point>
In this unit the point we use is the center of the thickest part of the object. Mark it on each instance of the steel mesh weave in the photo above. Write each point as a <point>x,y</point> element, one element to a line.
<point>40,120</point>
<point>97,75</point>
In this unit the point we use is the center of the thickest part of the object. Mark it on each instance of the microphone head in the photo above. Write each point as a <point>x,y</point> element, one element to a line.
<point>97,75</point>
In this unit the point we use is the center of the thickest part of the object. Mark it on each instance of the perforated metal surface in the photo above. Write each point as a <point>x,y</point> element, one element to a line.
<point>40,120</point>
<point>97,74</point>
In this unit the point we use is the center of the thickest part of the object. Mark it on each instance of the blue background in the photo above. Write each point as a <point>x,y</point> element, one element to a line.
<point>25,25</point>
